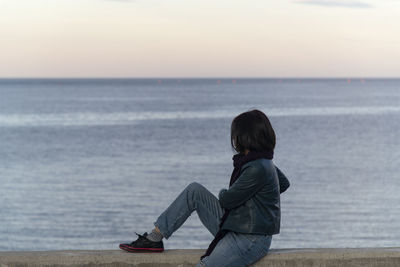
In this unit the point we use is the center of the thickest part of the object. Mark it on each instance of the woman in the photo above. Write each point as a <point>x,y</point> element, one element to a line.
<point>244,217</point>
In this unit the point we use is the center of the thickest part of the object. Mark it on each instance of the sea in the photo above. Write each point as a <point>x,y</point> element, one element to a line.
<point>87,163</point>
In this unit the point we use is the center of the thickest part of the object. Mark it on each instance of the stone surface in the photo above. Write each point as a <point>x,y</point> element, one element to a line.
<point>387,257</point>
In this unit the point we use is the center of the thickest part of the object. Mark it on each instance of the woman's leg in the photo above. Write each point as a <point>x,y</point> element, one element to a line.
<point>237,250</point>
<point>194,197</point>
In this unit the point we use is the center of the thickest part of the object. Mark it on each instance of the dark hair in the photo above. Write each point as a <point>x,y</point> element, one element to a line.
<point>252,130</point>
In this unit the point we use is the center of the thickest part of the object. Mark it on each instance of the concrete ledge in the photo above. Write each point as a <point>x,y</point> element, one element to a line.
<point>387,257</point>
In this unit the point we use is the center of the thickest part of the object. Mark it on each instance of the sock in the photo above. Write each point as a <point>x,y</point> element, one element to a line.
<point>154,236</point>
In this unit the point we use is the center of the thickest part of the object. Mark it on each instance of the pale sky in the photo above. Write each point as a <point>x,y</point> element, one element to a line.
<point>199,38</point>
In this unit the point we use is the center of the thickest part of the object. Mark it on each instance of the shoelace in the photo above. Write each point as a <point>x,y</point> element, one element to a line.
<point>141,236</point>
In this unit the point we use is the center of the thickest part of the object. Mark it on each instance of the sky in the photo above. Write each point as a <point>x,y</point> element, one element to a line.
<point>199,38</point>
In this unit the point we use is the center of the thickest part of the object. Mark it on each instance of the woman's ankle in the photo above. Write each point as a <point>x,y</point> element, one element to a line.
<point>155,235</point>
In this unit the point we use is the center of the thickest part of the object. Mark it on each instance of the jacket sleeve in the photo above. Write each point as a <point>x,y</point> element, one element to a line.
<point>248,183</point>
<point>283,181</point>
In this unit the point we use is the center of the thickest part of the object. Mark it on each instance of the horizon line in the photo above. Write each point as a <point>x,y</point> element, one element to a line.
<point>187,78</point>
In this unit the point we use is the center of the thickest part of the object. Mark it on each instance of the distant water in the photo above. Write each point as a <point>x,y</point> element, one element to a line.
<point>85,163</point>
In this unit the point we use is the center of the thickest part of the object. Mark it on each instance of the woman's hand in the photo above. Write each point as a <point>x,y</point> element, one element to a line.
<point>223,190</point>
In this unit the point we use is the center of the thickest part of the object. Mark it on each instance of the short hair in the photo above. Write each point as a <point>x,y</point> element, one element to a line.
<point>252,130</point>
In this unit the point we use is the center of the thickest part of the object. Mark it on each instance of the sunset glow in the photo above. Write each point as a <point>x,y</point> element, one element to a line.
<point>105,38</point>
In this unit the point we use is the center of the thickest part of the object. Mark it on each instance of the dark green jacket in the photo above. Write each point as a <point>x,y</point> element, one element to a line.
<point>253,200</point>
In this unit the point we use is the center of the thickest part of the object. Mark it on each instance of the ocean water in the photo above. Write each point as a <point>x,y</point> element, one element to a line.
<point>86,163</point>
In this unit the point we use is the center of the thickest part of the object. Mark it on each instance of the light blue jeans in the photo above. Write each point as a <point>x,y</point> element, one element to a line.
<point>235,249</point>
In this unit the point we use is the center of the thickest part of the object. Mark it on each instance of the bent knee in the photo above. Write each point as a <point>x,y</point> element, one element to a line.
<point>194,186</point>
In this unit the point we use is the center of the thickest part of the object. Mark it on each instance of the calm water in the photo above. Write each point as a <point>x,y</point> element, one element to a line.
<point>86,163</point>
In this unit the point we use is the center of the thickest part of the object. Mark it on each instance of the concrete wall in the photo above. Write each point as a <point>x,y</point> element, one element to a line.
<point>386,257</point>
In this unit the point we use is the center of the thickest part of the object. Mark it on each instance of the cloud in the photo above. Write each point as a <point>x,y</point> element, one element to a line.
<point>336,3</point>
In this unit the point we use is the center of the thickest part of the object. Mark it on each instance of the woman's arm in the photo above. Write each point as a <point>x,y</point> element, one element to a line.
<point>283,181</point>
<point>283,186</point>
<point>246,186</point>
<point>248,183</point>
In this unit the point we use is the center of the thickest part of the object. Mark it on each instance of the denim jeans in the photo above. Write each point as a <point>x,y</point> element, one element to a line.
<point>235,249</point>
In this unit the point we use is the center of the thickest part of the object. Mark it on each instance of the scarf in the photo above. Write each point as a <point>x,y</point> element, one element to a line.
<point>238,161</point>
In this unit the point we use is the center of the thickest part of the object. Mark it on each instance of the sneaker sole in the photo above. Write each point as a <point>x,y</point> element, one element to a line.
<point>131,249</point>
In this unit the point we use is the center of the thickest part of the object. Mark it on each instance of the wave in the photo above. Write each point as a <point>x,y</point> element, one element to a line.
<point>93,119</point>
